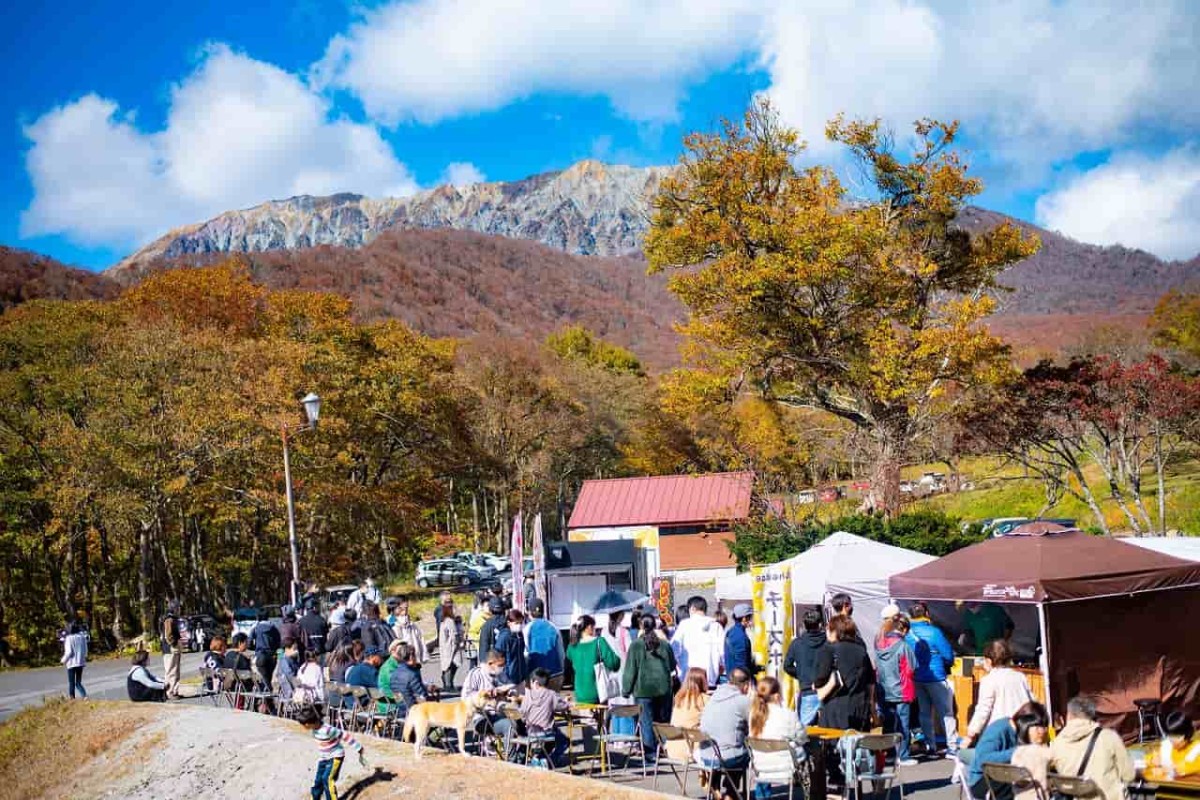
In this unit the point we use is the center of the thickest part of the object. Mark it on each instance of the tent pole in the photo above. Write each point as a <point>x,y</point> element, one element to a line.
<point>1044,659</point>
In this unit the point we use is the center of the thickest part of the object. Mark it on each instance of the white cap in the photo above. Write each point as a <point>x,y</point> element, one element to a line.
<point>889,611</point>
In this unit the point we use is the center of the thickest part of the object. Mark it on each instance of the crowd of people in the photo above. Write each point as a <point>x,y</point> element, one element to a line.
<point>695,672</point>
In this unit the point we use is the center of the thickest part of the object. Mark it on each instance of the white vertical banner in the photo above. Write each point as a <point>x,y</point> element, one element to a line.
<point>539,559</point>
<point>518,563</point>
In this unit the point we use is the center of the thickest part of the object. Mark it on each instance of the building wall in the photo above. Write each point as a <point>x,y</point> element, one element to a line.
<point>694,551</point>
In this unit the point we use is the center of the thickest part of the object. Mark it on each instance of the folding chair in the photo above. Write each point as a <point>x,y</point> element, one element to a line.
<point>767,747</point>
<point>230,687</point>
<point>671,733</point>
<point>877,745</point>
<point>208,680</point>
<point>1019,779</point>
<point>343,711</point>
<point>256,694</point>
<point>632,740</point>
<point>514,742</point>
<point>735,778</point>
<point>961,777</point>
<point>367,712</point>
<point>1070,786</point>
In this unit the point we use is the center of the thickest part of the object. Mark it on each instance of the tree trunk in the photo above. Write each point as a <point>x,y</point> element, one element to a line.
<point>885,477</point>
<point>475,520</point>
<point>1161,487</point>
<point>144,609</point>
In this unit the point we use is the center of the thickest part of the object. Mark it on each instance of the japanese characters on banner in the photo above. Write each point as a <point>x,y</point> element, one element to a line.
<point>539,560</point>
<point>662,597</point>
<point>518,564</point>
<point>773,629</point>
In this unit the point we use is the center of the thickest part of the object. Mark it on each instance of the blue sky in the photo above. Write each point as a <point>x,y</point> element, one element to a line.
<point>124,120</point>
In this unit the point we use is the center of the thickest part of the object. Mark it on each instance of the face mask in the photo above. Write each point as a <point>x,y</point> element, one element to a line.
<point>402,619</point>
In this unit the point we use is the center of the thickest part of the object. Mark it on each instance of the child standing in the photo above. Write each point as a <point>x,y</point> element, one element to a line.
<point>332,743</point>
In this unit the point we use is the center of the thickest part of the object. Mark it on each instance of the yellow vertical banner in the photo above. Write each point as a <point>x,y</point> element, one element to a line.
<point>773,629</point>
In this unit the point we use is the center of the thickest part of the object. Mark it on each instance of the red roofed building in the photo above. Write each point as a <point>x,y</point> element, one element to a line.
<point>679,523</point>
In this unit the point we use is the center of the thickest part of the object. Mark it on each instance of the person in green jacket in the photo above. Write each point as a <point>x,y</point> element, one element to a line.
<point>584,652</point>
<point>649,666</point>
<point>385,672</point>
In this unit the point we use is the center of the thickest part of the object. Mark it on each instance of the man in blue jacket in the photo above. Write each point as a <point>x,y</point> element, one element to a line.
<point>935,698</point>
<point>543,643</point>
<point>737,641</point>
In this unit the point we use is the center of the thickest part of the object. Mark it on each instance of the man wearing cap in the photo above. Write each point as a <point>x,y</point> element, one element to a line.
<point>737,641</point>
<point>491,627</point>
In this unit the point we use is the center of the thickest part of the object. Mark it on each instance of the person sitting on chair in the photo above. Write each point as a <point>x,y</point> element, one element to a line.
<point>998,743</point>
<point>726,720</point>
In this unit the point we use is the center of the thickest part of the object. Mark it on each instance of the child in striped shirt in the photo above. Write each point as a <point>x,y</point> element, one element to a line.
<point>332,743</point>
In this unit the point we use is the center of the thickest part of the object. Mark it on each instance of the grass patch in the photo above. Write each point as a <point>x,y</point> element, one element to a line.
<point>42,747</point>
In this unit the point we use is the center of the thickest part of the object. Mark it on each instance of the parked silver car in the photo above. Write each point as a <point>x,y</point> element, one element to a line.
<point>446,572</point>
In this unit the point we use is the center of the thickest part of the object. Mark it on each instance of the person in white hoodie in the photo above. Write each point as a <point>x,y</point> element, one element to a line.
<point>770,720</point>
<point>699,641</point>
<point>75,650</point>
<point>1001,692</point>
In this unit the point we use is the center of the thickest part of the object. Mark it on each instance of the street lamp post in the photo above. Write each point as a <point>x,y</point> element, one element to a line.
<point>312,412</point>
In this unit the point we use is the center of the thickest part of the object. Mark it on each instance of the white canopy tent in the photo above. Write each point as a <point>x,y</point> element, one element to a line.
<point>1186,547</point>
<point>842,562</point>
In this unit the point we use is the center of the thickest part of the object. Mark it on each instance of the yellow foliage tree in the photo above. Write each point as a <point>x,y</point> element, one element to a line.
<point>867,308</point>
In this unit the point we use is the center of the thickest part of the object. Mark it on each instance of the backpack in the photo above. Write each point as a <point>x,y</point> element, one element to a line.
<point>170,632</point>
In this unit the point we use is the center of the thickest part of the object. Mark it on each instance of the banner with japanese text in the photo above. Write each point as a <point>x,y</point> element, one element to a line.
<point>773,629</point>
<point>662,597</point>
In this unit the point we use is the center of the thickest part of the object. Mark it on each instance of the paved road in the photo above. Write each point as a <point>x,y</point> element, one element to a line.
<point>104,680</point>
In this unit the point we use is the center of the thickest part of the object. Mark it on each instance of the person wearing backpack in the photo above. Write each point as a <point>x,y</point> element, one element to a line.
<point>172,648</point>
<point>1085,749</point>
<point>895,666</point>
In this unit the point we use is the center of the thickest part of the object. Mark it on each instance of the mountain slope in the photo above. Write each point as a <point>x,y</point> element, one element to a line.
<point>461,283</point>
<point>587,209</point>
<point>28,276</point>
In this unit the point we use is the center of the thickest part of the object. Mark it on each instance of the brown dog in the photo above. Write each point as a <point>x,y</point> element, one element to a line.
<point>455,714</point>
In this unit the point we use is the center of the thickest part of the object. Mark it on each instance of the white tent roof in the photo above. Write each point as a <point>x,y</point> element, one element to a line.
<point>842,562</point>
<point>1179,546</point>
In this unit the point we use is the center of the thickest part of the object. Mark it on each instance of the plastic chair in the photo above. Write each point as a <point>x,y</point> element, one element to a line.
<point>664,733</point>
<point>735,777</point>
<point>1020,779</point>
<point>878,744</point>
<point>765,747</point>
<point>1070,786</point>
<point>632,740</point>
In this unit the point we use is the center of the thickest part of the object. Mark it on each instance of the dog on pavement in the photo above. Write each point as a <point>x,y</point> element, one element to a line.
<point>455,714</point>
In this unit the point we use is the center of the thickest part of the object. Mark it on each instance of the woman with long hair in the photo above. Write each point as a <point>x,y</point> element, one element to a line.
<point>647,679</point>
<point>769,719</point>
<point>448,644</point>
<point>74,658</point>
<point>689,704</point>
<point>339,661</point>
<point>585,651</point>
<point>845,678</point>
<point>616,634</point>
<point>1002,691</point>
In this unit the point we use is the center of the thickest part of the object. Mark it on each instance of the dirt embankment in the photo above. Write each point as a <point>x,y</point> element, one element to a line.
<point>86,750</point>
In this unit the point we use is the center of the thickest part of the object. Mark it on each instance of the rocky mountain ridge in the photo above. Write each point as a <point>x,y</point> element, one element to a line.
<point>589,208</point>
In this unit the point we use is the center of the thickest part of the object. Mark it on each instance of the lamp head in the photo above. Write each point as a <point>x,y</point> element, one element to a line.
<point>312,408</point>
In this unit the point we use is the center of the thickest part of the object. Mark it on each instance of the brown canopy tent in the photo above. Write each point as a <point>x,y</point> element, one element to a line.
<point>1117,621</point>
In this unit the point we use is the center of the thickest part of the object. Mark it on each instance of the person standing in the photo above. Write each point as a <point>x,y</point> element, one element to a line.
<point>801,663</point>
<point>738,654</point>
<point>894,662</point>
<point>266,647</point>
<point>291,629</point>
<point>315,629</point>
<point>646,678</point>
<point>511,643</point>
<point>331,745</point>
<point>172,647</point>
<point>543,644</point>
<point>699,641</point>
<point>75,651</point>
<point>356,599</point>
<point>375,632</point>
<point>490,629</point>
<point>935,697</point>
<point>845,678</point>
<point>585,651</point>
<point>405,629</point>
<point>448,642</point>
<point>1001,692</point>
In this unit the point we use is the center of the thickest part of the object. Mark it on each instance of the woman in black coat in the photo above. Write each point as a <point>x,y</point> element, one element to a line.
<point>848,696</point>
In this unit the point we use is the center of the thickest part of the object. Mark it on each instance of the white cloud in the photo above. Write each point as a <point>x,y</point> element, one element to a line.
<point>433,59</point>
<point>1153,204</point>
<point>462,173</point>
<point>238,132</point>
<point>1034,80</point>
